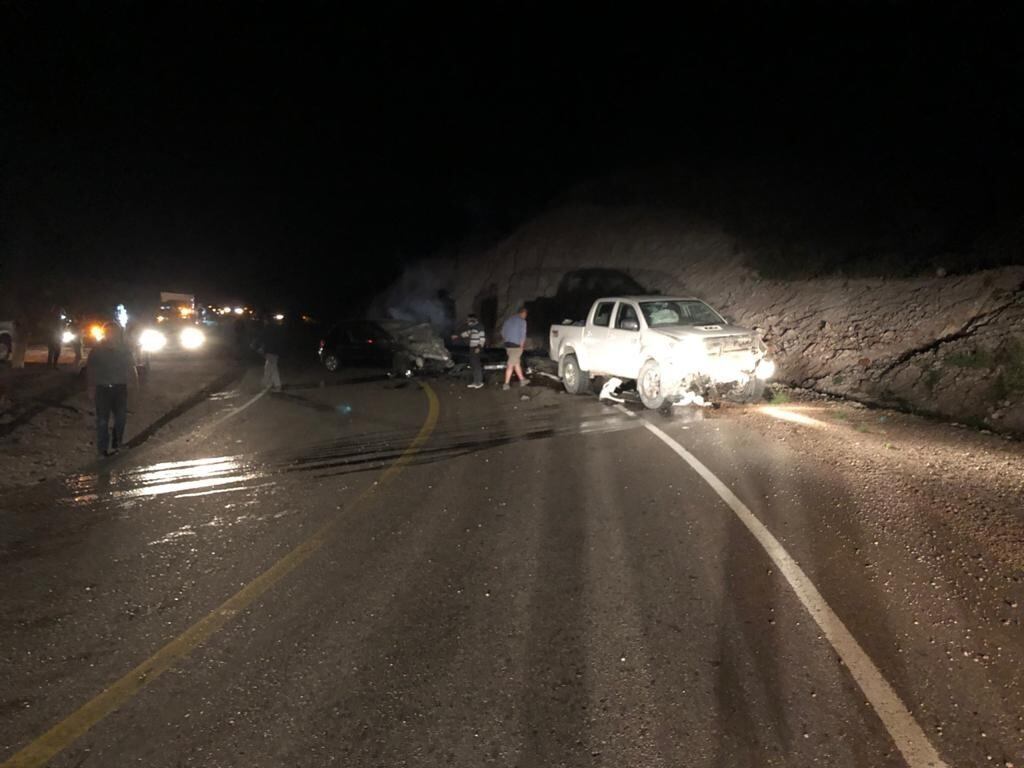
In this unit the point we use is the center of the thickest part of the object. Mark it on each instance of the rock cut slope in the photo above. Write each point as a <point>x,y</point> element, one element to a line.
<point>950,346</point>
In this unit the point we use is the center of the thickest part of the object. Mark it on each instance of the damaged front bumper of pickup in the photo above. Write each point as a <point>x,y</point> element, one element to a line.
<point>700,373</point>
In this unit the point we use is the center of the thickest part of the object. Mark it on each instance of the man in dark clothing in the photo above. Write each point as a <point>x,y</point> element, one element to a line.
<point>111,368</point>
<point>476,337</point>
<point>56,324</point>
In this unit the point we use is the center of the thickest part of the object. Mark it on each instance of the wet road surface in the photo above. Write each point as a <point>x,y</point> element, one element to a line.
<point>367,572</point>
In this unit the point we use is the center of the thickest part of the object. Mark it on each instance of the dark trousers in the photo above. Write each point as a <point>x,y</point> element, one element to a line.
<point>110,400</point>
<point>477,366</point>
<point>52,353</point>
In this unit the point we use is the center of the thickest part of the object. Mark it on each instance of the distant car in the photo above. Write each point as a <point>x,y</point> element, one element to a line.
<point>402,347</point>
<point>90,326</point>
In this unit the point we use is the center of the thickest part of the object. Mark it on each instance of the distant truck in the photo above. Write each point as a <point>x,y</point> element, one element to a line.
<point>676,349</point>
<point>177,307</point>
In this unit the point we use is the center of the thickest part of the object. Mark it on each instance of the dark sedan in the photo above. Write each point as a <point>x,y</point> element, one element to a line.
<point>357,342</point>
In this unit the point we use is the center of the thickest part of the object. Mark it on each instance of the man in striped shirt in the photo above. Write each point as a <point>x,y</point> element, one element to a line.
<point>475,335</point>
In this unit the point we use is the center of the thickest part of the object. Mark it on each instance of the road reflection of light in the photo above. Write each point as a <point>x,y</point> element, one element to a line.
<point>174,465</point>
<point>793,416</point>
<point>184,485</point>
<point>221,490</point>
<point>168,477</point>
<point>185,473</point>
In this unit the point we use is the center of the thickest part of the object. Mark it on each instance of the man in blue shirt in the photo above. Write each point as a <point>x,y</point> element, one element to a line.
<point>513,333</point>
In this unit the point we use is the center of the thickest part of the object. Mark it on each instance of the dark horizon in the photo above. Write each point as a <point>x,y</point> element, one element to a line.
<point>308,156</point>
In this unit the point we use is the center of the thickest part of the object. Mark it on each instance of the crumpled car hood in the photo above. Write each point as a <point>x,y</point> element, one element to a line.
<point>419,339</point>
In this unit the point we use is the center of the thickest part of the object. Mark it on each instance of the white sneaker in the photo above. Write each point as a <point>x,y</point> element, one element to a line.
<point>524,382</point>
<point>474,386</point>
<point>505,387</point>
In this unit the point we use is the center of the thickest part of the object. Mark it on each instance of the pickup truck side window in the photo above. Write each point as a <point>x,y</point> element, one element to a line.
<point>626,312</point>
<point>603,313</point>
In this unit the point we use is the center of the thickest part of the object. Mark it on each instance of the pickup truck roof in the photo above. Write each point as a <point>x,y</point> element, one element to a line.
<point>649,297</point>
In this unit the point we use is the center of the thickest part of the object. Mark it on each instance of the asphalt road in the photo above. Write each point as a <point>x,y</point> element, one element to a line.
<point>364,572</point>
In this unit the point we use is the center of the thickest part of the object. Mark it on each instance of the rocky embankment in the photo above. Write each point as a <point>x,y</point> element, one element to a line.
<point>951,346</point>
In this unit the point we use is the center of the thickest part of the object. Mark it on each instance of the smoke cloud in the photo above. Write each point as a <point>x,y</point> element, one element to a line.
<point>420,295</point>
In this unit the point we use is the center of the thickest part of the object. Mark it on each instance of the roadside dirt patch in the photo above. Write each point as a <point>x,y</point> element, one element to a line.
<point>60,437</point>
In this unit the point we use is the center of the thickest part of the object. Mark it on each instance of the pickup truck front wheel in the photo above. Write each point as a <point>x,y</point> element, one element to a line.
<point>574,380</point>
<point>649,386</point>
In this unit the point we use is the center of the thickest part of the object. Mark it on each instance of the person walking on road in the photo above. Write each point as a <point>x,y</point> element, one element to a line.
<point>271,343</point>
<point>513,333</point>
<point>476,336</point>
<point>110,370</point>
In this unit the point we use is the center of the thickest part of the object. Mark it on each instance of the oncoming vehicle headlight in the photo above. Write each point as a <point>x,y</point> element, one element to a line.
<point>96,331</point>
<point>67,337</point>
<point>765,369</point>
<point>151,340</point>
<point>192,338</point>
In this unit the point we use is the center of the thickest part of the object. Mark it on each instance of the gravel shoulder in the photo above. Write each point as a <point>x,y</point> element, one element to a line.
<point>970,481</point>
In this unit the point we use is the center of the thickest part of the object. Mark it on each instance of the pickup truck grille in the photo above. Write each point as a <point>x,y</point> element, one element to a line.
<point>724,345</point>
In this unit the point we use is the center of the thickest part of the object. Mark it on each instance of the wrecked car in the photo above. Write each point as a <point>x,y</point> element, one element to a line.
<point>678,350</point>
<point>404,348</point>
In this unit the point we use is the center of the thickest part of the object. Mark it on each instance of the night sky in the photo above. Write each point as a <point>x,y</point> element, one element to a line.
<point>306,151</point>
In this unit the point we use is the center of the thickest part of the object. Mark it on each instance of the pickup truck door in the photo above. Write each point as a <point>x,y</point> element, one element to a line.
<point>622,345</point>
<point>595,337</point>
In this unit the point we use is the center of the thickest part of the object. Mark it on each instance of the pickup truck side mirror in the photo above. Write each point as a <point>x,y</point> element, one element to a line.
<point>629,325</point>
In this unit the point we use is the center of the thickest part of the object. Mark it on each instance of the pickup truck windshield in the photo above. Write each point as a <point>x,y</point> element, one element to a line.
<point>680,312</point>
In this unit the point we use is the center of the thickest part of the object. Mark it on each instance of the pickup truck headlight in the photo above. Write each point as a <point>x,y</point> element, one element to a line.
<point>765,369</point>
<point>67,337</point>
<point>689,355</point>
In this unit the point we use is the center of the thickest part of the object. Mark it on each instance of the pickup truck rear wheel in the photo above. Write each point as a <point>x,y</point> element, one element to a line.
<point>649,386</point>
<point>574,380</point>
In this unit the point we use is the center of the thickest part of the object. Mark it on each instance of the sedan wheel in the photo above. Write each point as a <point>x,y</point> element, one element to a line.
<point>331,362</point>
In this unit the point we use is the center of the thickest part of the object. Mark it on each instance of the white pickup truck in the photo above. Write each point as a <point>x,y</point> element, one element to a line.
<point>677,349</point>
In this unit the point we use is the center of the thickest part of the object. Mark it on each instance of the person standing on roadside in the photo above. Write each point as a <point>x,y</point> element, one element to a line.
<point>476,337</point>
<point>76,342</point>
<point>55,326</point>
<point>513,333</point>
<point>110,371</point>
<point>272,344</point>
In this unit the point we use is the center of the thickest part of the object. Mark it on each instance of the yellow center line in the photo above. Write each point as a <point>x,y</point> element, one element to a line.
<point>64,733</point>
